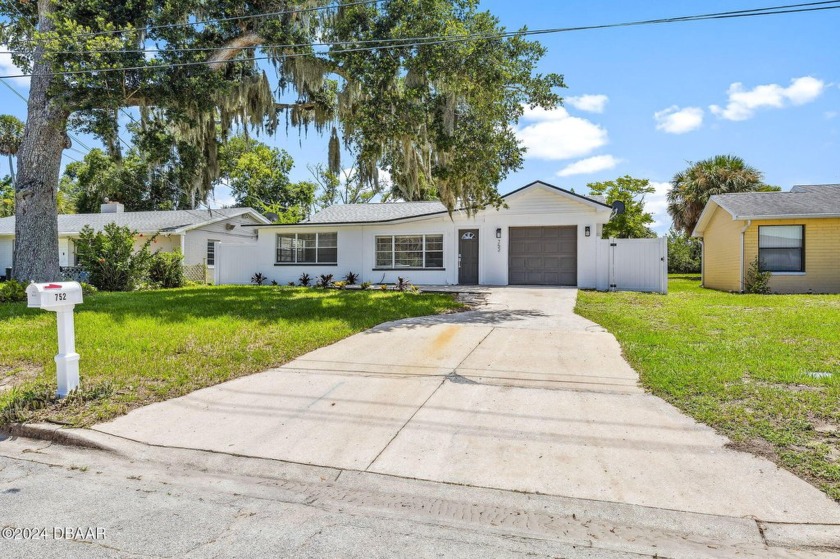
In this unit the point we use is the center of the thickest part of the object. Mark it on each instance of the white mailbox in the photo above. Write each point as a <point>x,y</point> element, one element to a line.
<point>49,296</point>
<point>60,298</point>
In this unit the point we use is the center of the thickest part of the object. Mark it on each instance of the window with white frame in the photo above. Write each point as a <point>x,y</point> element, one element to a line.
<point>781,248</point>
<point>211,252</point>
<point>307,248</point>
<point>409,251</point>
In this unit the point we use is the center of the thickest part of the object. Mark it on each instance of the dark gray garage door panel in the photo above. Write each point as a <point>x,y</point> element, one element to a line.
<point>543,256</point>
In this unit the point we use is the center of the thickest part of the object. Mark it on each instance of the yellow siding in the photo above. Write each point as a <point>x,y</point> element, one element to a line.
<point>822,263</point>
<point>722,252</point>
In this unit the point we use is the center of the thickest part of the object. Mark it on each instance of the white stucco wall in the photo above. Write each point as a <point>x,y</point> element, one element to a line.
<point>536,206</point>
<point>7,245</point>
<point>195,242</point>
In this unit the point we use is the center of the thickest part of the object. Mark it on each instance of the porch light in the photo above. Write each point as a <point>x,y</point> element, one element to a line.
<point>587,231</point>
<point>498,232</point>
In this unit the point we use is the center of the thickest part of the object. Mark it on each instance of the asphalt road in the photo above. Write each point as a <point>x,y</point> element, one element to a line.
<point>139,501</point>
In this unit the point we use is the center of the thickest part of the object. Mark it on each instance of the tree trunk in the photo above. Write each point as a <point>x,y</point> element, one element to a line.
<point>39,164</point>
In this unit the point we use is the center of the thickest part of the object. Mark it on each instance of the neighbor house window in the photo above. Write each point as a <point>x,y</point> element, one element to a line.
<point>307,248</point>
<point>409,251</point>
<point>781,248</point>
<point>211,252</point>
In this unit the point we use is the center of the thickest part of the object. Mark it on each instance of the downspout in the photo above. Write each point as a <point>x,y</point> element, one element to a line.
<point>702,263</point>
<point>743,231</point>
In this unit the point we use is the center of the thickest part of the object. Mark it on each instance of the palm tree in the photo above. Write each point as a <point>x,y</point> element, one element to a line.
<point>11,135</point>
<point>692,188</point>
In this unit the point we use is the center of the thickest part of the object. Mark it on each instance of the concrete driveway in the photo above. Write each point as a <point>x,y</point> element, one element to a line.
<point>521,395</point>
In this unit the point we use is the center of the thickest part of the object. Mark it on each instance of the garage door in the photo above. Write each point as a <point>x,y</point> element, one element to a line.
<point>543,256</point>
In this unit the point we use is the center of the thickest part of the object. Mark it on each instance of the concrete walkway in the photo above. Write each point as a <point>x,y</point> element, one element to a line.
<point>520,395</point>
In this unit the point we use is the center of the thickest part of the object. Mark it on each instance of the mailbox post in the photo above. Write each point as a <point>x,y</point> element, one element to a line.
<point>60,298</point>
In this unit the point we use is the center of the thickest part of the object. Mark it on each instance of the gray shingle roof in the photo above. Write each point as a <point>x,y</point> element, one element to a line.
<point>367,213</point>
<point>142,222</point>
<point>801,201</point>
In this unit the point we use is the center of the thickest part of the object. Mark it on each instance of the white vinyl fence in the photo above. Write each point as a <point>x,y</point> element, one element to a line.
<point>633,265</point>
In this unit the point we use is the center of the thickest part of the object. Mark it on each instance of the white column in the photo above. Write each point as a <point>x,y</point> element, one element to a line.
<point>67,360</point>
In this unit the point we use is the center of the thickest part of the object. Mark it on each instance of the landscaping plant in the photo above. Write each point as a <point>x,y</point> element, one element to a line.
<point>12,291</point>
<point>305,280</point>
<point>166,269</point>
<point>258,279</point>
<point>340,284</point>
<point>365,285</point>
<point>756,281</point>
<point>351,278</point>
<point>109,258</point>
<point>325,280</point>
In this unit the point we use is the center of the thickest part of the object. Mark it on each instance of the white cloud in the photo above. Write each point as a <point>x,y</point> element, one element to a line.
<point>829,115</point>
<point>675,120</point>
<point>657,204</point>
<point>588,103</point>
<point>555,135</point>
<point>589,165</point>
<point>8,68</point>
<point>743,104</point>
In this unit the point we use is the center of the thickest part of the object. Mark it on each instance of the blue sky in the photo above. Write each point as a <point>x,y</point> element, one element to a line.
<point>645,101</point>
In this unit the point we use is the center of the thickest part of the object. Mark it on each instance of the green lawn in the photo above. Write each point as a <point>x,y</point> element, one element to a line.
<point>739,364</point>
<point>143,347</point>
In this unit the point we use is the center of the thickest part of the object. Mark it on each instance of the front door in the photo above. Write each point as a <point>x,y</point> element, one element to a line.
<point>468,257</point>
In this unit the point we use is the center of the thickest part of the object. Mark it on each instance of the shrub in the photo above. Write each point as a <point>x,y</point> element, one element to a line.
<point>325,280</point>
<point>404,285</point>
<point>365,285</point>
<point>340,284</point>
<point>12,291</point>
<point>305,280</point>
<point>351,278</point>
<point>109,258</point>
<point>291,284</point>
<point>258,279</point>
<point>684,253</point>
<point>756,281</point>
<point>383,287</point>
<point>88,289</point>
<point>166,269</point>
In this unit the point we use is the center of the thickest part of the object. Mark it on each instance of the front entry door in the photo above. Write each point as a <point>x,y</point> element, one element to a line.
<point>468,257</point>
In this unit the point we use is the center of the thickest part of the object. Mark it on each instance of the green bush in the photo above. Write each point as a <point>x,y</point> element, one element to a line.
<point>109,258</point>
<point>756,281</point>
<point>12,291</point>
<point>684,253</point>
<point>166,269</point>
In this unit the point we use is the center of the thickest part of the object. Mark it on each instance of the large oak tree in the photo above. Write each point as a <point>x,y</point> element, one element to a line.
<point>433,113</point>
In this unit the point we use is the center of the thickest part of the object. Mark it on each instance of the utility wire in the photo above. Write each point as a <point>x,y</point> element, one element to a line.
<point>22,98</point>
<point>225,19</point>
<point>771,10</point>
<point>395,43</point>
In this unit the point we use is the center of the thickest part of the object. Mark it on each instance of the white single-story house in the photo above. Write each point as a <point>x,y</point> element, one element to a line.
<point>545,236</point>
<point>194,232</point>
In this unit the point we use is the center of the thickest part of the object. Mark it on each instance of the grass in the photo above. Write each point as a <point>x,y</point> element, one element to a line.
<point>739,364</point>
<point>143,347</point>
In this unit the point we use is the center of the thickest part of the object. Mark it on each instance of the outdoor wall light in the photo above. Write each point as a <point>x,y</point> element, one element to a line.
<point>498,232</point>
<point>587,231</point>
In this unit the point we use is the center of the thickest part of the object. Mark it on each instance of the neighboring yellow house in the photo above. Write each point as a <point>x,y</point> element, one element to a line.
<point>795,235</point>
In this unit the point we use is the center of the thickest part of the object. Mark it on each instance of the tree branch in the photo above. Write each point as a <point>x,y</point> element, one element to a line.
<point>287,106</point>
<point>232,48</point>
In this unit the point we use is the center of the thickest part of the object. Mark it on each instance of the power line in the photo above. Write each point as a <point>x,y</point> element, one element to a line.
<point>22,98</point>
<point>433,40</point>
<point>770,10</point>
<point>226,19</point>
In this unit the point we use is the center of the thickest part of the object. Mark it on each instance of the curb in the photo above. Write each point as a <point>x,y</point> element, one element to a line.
<point>53,433</point>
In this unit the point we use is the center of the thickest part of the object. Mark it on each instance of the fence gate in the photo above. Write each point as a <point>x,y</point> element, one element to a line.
<point>638,264</point>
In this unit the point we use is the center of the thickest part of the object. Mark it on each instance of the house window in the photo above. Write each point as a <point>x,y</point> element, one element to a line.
<point>409,251</point>
<point>781,248</point>
<point>307,248</point>
<point>211,252</point>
